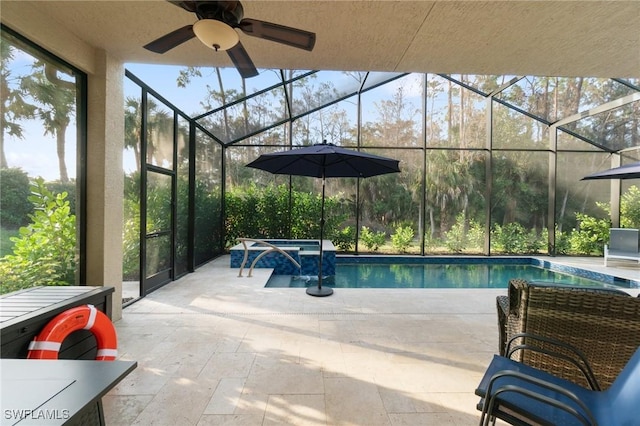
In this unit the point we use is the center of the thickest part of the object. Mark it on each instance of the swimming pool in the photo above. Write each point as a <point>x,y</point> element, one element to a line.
<point>411,272</point>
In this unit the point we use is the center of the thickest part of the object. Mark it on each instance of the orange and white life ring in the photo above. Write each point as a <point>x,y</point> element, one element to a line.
<point>47,344</point>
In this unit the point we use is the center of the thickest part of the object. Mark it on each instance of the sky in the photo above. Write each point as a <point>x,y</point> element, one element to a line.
<point>36,152</point>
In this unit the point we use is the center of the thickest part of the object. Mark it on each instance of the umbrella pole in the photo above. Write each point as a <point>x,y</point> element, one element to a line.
<point>319,291</point>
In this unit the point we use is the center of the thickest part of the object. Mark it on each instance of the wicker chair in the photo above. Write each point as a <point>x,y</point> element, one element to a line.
<point>603,324</point>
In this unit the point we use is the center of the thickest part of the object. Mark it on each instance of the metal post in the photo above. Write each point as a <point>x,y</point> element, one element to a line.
<point>319,291</point>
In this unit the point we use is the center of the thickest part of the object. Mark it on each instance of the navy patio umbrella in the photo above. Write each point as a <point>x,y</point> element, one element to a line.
<point>323,161</point>
<point>629,171</point>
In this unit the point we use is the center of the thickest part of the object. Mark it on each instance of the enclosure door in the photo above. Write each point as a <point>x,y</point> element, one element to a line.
<point>158,250</point>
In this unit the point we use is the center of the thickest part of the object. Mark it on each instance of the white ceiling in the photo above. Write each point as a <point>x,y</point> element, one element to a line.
<point>553,38</point>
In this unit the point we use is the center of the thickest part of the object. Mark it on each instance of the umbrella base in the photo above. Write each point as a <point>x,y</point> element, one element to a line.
<point>319,292</point>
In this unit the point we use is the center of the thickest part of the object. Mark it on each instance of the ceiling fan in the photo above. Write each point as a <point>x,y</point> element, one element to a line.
<point>217,21</point>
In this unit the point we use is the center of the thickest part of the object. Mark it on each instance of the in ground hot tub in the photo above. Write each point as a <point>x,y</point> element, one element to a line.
<point>305,252</point>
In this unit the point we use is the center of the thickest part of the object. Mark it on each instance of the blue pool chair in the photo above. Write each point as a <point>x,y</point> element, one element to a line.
<point>522,395</point>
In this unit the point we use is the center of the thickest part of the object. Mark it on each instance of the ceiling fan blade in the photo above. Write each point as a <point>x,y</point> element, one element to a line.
<point>242,61</point>
<point>171,40</point>
<point>278,33</point>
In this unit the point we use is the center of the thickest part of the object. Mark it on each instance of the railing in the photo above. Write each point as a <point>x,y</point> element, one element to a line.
<point>271,249</point>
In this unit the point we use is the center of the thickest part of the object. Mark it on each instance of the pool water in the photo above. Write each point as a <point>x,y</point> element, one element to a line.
<point>433,275</point>
<point>302,244</point>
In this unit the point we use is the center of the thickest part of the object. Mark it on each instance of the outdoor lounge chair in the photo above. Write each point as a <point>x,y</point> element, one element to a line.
<point>624,243</point>
<point>602,324</point>
<point>523,395</point>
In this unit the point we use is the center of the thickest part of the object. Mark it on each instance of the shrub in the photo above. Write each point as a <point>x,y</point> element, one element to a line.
<point>264,212</point>
<point>14,193</point>
<point>372,240</point>
<point>345,238</point>
<point>69,187</point>
<point>458,240</point>
<point>475,235</point>
<point>591,236</point>
<point>563,242</point>
<point>513,238</point>
<point>131,241</point>
<point>402,238</point>
<point>455,238</point>
<point>45,251</point>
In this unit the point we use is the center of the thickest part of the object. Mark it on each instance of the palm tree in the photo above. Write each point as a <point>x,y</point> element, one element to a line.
<point>14,107</point>
<point>133,127</point>
<point>159,134</point>
<point>57,101</point>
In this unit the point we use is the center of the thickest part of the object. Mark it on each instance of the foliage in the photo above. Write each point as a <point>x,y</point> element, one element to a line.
<point>372,240</point>
<point>475,235</point>
<point>263,212</point>
<point>6,245</point>
<point>456,238</point>
<point>591,236</point>
<point>14,106</point>
<point>630,208</point>
<point>208,221</point>
<point>45,251</point>
<point>344,239</point>
<point>593,233</point>
<point>563,242</point>
<point>131,241</point>
<point>513,238</point>
<point>246,213</point>
<point>402,238</point>
<point>14,190</point>
<point>131,228</point>
<point>305,215</point>
<point>431,243</point>
<point>56,102</point>
<point>70,187</point>
<point>463,236</point>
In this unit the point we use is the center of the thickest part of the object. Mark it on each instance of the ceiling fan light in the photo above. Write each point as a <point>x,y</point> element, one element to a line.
<point>215,34</point>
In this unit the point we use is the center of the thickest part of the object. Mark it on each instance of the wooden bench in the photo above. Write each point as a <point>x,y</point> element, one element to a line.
<point>624,243</point>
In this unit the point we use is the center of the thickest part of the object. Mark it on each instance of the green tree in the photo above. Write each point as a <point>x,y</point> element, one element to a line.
<point>45,251</point>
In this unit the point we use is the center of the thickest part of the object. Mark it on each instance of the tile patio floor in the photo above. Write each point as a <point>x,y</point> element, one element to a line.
<point>215,349</point>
